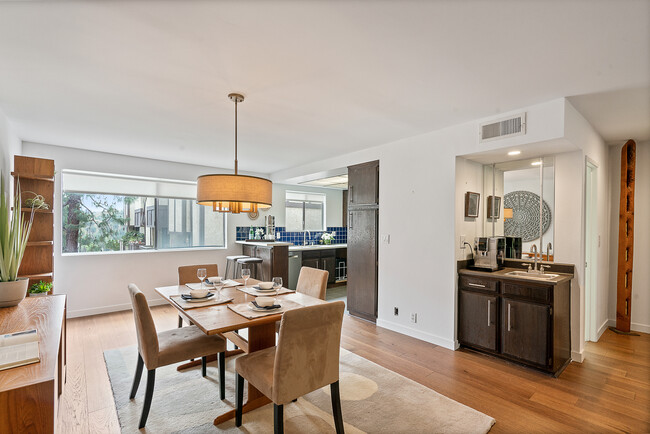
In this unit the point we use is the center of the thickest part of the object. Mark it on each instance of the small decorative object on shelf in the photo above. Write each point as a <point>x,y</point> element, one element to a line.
<point>40,288</point>
<point>259,233</point>
<point>36,202</point>
<point>327,237</point>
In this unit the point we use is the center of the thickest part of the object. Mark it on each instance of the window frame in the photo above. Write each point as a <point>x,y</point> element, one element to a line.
<point>304,202</point>
<point>59,227</point>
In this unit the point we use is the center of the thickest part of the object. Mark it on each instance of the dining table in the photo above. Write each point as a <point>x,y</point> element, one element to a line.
<point>221,320</point>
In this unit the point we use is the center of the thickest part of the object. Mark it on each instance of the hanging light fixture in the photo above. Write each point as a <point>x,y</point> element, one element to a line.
<point>234,193</point>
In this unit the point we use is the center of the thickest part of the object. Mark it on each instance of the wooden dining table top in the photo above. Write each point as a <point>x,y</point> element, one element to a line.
<point>219,318</point>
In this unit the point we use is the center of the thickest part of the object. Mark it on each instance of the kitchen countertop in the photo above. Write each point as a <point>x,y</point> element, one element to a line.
<point>262,243</point>
<point>501,274</point>
<point>317,247</point>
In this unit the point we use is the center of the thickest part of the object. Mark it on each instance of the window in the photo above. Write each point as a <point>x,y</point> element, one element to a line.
<point>305,211</point>
<point>109,213</point>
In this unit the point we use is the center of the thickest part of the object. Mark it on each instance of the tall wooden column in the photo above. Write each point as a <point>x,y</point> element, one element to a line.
<point>625,238</point>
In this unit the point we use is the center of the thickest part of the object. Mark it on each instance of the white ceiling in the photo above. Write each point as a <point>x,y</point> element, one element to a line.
<point>150,78</point>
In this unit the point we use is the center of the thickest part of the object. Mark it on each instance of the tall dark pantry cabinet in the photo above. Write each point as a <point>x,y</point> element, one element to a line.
<point>363,229</point>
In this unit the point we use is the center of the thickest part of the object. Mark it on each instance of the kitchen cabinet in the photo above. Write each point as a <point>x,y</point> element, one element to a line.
<point>323,260</point>
<point>275,260</point>
<point>362,263</point>
<point>363,184</point>
<point>518,319</point>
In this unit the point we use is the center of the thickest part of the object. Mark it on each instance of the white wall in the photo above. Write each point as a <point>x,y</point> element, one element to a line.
<point>96,283</point>
<point>10,145</point>
<point>333,204</point>
<point>640,316</point>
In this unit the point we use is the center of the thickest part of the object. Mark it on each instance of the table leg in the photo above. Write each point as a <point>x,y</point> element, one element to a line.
<point>259,337</point>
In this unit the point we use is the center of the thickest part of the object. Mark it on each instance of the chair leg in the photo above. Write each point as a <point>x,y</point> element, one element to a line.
<point>151,379</point>
<point>278,419</point>
<point>336,407</point>
<point>204,366</point>
<point>222,375</point>
<point>180,321</point>
<point>239,398</point>
<point>137,376</point>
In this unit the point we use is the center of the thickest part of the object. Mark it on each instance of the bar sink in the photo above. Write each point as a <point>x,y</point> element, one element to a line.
<point>533,276</point>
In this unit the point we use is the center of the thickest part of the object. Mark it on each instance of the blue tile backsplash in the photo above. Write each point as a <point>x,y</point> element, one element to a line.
<point>296,238</point>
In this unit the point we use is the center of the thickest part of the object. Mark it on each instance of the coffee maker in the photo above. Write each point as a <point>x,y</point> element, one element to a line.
<point>269,222</point>
<point>488,252</point>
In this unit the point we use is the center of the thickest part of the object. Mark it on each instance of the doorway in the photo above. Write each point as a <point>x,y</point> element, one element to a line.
<point>592,242</point>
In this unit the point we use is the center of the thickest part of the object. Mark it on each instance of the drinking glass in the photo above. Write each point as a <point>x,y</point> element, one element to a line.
<point>277,284</point>
<point>245,274</point>
<point>202,273</point>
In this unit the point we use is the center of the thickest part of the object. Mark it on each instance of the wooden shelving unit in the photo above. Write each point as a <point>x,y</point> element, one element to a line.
<point>36,175</point>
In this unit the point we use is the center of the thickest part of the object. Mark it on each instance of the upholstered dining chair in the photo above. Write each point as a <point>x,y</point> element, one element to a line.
<point>305,359</point>
<point>171,346</point>
<point>312,282</point>
<point>187,274</point>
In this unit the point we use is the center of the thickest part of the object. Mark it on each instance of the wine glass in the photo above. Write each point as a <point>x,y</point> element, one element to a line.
<point>201,273</point>
<point>277,284</point>
<point>245,274</point>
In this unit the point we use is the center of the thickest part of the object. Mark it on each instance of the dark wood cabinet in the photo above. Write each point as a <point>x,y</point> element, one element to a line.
<point>363,226</point>
<point>323,259</point>
<point>275,260</point>
<point>363,184</point>
<point>477,325</point>
<point>523,321</point>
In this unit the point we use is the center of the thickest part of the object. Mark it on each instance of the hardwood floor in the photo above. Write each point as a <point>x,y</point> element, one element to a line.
<point>608,392</point>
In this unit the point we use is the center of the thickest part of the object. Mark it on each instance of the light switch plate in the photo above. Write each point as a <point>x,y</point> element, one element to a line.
<point>386,238</point>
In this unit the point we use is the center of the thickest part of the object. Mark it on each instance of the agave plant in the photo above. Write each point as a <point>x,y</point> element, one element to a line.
<point>14,233</point>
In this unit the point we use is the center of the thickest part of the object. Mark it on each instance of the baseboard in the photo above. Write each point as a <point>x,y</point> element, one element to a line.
<point>602,329</point>
<point>577,356</point>
<point>107,309</point>
<point>418,334</point>
<point>635,326</point>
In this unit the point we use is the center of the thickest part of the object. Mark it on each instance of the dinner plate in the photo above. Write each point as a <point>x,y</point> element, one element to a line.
<point>198,300</point>
<point>252,307</point>
<point>263,290</point>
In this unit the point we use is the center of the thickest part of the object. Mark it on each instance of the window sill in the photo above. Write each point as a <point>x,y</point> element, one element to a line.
<point>140,252</point>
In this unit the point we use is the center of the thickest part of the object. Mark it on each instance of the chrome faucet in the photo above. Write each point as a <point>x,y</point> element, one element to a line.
<point>305,238</point>
<point>534,250</point>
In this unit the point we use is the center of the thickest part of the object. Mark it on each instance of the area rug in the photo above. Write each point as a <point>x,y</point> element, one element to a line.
<point>373,400</point>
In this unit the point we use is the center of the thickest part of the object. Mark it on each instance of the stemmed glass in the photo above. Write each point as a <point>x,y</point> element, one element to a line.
<point>277,284</point>
<point>202,273</point>
<point>245,274</point>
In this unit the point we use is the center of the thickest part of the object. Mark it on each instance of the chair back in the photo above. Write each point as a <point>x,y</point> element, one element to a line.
<point>307,355</point>
<point>187,273</point>
<point>145,327</point>
<point>313,282</point>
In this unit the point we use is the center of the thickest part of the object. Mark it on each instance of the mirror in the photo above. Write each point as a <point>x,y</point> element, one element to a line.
<point>512,192</point>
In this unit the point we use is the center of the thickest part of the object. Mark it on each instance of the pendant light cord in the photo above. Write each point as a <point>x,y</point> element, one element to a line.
<point>236,168</point>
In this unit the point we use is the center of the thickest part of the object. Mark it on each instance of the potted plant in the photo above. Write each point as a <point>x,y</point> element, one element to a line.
<point>327,237</point>
<point>40,288</point>
<point>14,233</point>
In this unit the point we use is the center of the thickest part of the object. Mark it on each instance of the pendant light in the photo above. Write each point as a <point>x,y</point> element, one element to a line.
<point>234,193</point>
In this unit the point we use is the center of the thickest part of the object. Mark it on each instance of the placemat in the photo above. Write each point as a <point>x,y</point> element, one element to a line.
<point>243,310</point>
<point>252,291</point>
<point>193,305</point>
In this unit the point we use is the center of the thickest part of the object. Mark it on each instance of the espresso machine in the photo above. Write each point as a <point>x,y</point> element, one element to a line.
<point>269,222</point>
<point>489,252</point>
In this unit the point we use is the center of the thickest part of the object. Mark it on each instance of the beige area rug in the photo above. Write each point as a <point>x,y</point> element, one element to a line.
<point>373,400</point>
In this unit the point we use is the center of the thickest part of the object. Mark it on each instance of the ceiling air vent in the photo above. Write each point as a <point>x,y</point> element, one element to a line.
<point>513,126</point>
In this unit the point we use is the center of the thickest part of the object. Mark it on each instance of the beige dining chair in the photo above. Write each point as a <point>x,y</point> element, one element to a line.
<point>305,359</point>
<point>167,347</point>
<point>312,282</point>
<point>187,274</point>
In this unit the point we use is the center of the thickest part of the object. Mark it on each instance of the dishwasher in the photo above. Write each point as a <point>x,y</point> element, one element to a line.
<point>295,263</point>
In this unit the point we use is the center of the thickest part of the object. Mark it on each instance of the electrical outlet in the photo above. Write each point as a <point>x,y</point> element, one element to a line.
<point>395,311</point>
<point>462,242</point>
<point>414,318</point>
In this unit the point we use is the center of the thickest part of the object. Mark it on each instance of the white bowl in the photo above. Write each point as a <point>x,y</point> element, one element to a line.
<point>214,279</point>
<point>198,293</point>
<point>265,285</point>
<point>265,301</point>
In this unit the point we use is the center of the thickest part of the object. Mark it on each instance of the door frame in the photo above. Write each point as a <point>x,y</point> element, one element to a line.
<point>591,249</point>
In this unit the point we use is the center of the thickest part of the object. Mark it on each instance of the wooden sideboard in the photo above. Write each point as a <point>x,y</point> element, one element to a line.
<point>29,394</point>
